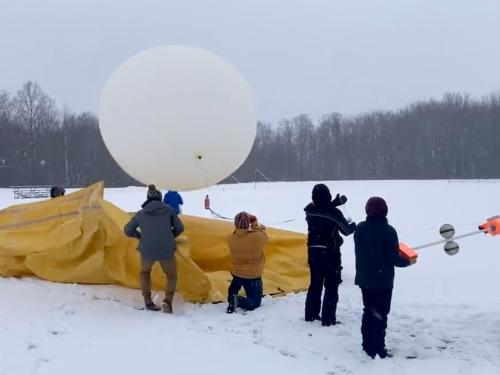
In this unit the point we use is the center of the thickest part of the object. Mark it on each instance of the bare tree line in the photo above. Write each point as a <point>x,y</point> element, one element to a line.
<point>455,137</point>
<point>41,145</point>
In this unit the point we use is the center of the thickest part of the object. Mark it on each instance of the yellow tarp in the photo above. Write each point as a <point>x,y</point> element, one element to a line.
<point>79,238</point>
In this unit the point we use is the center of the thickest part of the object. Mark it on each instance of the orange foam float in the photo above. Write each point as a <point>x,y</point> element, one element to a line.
<point>492,225</point>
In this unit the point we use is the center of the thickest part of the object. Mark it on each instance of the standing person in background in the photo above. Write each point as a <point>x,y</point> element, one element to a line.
<point>246,245</point>
<point>325,221</point>
<point>174,200</point>
<point>159,225</point>
<point>377,252</point>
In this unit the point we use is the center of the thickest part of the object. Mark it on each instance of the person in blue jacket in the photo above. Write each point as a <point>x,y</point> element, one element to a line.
<point>174,200</point>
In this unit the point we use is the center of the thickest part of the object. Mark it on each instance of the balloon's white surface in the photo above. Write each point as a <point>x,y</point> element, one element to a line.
<point>178,117</point>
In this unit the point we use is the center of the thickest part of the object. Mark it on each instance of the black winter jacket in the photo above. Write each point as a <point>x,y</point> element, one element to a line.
<point>324,224</point>
<point>377,252</point>
<point>159,226</point>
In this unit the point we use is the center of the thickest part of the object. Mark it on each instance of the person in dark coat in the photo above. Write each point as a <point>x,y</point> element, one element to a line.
<point>159,225</point>
<point>325,223</point>
<point>57,191</point>
<point>174,200</point>
<point>377,253</point>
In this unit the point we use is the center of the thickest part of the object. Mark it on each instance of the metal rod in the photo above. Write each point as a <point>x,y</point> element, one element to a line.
<point>449,239</point>
<point>263,175</point>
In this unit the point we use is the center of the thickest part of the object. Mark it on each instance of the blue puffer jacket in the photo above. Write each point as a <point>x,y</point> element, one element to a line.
<point>174,200</point>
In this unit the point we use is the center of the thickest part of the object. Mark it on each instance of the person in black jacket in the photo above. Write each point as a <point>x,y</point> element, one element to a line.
<point>324,221</point>
<point>377,252</point>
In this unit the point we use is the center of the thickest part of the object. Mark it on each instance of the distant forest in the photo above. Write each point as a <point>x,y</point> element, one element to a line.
<point>455,137</point>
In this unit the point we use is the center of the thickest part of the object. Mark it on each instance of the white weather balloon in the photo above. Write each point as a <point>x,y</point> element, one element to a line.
<point>178,117</point>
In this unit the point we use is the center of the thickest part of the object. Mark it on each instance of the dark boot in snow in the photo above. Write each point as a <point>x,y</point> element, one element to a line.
<point>384,353</point>
<point>167,307</point>
<point>310,318</point>
<point>152,307</point>
<point>233,304</point>
<point>370,353</point>
<point>167,303</point>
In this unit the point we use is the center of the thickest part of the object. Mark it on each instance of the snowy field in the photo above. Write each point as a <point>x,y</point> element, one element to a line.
<point>445,310</point>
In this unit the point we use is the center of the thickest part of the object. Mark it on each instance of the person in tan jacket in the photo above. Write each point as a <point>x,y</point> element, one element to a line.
<point>246,245</point>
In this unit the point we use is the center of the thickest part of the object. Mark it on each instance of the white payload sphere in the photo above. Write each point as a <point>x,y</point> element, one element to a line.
<point>177,117</point>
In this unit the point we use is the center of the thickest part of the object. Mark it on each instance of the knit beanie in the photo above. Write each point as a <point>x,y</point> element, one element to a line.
<point>321,195</point>
<point>153,193</point>
<point>242,220</point>
<point>376,207</point>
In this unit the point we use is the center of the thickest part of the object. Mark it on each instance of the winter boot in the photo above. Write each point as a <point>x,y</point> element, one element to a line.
<point>328,320</point>
<point>167,307</point>
<point>310,318</point>
<point>370,353</point>
<point>167,304</point>
<point>384,353</point>
<point>152,307</point>
<point>233,304</point>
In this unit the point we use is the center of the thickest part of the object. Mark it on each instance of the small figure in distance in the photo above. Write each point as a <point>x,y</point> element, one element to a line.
<point>57,191</point>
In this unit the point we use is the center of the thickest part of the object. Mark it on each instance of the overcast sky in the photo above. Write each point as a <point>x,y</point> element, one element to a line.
<point>309,56</point>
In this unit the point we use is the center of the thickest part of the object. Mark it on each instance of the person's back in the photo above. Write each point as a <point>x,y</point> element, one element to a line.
<point>247,252</point>
<point>159,225</point>
<point>376,247</point>
<point>246,245</point>
<point>174,200</point>
<point>324,224</point>
<point>157,242</point>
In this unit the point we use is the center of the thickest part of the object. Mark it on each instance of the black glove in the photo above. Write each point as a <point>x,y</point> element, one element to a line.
<point>352,226</point>
<point>339,200</point>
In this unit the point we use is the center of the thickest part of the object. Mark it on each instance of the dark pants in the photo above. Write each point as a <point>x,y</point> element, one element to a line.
<point>253,291</point>
<point>377,304</point>
<point>324,265</point>
<point>170,269</point>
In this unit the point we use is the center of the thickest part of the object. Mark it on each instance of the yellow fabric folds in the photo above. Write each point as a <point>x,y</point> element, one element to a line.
<point>79,238</point>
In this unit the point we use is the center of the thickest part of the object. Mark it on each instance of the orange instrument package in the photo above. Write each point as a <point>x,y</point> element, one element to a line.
<point>407,252</point>
<point>492,225</point>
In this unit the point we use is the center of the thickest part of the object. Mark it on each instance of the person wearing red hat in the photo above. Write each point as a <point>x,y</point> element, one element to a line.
<point>376,247</point>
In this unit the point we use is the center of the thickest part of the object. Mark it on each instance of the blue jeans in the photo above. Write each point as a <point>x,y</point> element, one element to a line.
<point>253,291</point>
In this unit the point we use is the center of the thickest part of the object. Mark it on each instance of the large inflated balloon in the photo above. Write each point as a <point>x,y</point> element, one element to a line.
<point>179,117</point>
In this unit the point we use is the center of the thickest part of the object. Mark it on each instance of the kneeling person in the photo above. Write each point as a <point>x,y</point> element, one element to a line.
<point>159,226</point>
<point>246,245</point>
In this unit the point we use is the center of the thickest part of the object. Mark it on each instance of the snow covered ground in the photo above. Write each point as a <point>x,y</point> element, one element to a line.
<point>445,310</point>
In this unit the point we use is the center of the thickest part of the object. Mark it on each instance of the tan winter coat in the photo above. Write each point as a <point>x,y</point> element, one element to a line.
<point>247,251</point>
